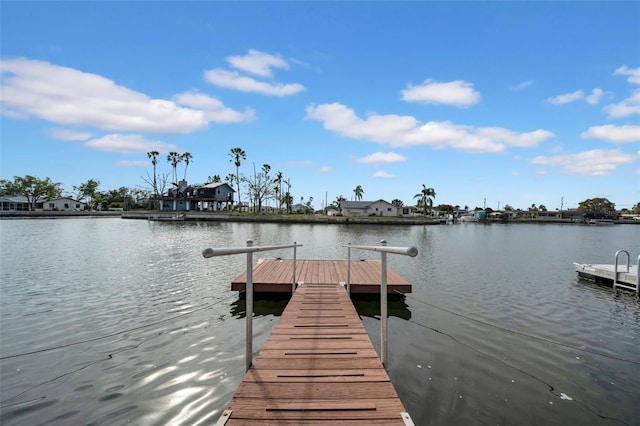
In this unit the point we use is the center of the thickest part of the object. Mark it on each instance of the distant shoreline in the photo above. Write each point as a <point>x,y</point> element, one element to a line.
<point>260,218</point>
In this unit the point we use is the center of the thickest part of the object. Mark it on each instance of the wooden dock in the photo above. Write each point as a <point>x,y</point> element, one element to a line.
<point>318,366</point>
<point>275,276</point>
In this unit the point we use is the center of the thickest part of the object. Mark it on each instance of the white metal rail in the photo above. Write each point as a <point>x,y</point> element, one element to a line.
<point>249,250</point>
<point>616,283</point>
<point>383,249</point>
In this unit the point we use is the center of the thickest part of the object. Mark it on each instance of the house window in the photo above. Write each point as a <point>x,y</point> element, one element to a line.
<point>51,205</point>
<point>388,209</point>
<point>77,206</point>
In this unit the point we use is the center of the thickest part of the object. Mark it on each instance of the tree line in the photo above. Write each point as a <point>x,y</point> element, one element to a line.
<point>260,187</point>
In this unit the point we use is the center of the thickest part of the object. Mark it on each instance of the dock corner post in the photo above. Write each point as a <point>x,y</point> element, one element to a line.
<point>293,280</point>
<point>249,308</point>
<point>349,269</point>
<point>383,305</point>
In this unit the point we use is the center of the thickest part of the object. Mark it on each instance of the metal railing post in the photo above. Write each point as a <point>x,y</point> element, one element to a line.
<point>293,280</point>
<point>383,249</point>
<point>383,305</point>
<point>349,269</point>
<point>249,250</point>
<point>249,308</point>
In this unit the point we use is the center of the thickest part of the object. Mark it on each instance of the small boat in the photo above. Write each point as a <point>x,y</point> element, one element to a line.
<point>173,217</point>
<point>600,222</point>
<point>467,218</point>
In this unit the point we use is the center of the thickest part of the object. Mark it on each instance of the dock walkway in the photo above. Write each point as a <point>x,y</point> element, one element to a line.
<point>317,367</point>
<point>275,276</point>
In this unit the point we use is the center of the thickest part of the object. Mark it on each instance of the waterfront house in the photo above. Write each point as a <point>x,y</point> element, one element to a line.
<point>17,203</point>
<point>368,208</point>
<point>63,204</point>
<point>213,196</point>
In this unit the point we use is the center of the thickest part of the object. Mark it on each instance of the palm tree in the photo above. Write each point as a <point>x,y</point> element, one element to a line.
<point>425,198</point>
<point>237,154</point>
<point>287,199</point>
<point>397,202</point>
<point>186,157</point>
<point>153,156</point>
<point>174,158</point>
<point>358,192</point>
<point>278,189</point>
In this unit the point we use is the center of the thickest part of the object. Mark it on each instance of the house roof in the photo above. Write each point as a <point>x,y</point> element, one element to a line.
<point>66,198</point>
<point>217,184</point>
<point>361,204</point>
<point>14,199</point>
<point>23,199</point>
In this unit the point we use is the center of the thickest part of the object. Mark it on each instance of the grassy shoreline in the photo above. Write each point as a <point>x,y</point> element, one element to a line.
<point>272,218</point>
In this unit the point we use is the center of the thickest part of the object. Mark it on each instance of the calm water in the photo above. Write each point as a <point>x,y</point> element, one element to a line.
<point>109,321</point>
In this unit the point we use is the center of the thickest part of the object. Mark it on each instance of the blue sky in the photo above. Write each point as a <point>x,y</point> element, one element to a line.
<point>489,103</point>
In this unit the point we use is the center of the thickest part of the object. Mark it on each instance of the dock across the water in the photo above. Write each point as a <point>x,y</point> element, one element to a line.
<point>621,274</point>
<point>275,276</point>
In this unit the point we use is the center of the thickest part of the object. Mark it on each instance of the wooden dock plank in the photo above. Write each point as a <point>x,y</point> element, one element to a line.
<point>318,366</point>
<point>276,275</point>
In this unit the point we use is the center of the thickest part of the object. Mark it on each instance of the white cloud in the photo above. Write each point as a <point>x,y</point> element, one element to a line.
<point>633,73</point>
<point>457,93</point>
<point>594,97</point>
<point>234,80</point>
<point>597,162</point>
<point>521,86</point>
<point>213,108</point>
<point>515,173</point>
<point>67,96</point>
<point>615,134</point>
<point>383,158</point>
<point>566,98</point>
<point>128,163</point>
<point>68,135</point>
<point>400,131</point>
<point>128,144</point>
<point>383,175</point>
<point>629,106</point>
<point>257,63</point>
<point>326,169</point>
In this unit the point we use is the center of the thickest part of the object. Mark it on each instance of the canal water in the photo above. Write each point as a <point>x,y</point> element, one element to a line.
<point>111,321</point>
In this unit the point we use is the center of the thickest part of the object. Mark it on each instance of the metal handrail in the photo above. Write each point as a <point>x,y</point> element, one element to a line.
<point>249,250</point>
<point>615,272</point>
<point>383,249</point>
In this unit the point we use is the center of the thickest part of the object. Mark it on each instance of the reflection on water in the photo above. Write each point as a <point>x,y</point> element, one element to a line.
<point>109,321</point>
<point>262,305</point>
<point>366,305</point>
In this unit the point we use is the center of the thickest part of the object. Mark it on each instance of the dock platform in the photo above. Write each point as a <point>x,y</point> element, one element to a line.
<point>275,276</point>
<point>606,273</point>
<point>319,365</point>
